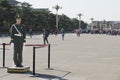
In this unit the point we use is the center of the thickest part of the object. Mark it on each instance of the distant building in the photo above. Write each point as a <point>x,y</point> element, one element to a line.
<point>13,2</point>
<point>41,9</point>
<point>105,25</point>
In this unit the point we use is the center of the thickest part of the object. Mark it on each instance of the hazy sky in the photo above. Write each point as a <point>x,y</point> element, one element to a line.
<point>97,9</point>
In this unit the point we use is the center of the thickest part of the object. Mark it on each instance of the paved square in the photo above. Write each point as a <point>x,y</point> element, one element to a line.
<point>89,57</point>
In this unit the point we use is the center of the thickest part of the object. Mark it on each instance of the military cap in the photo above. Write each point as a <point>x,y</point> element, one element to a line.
<point>18,17</point>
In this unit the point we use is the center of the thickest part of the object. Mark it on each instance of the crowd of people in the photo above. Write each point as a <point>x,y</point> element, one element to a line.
<point>113,32</point>
<point>108,32</point>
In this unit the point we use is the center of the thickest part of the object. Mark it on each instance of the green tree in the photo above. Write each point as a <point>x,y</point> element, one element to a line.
<point>75,23</point>
<point>37,19</point>
<point>83,25</point>
<point>6,13</point>
<point>64,22</point>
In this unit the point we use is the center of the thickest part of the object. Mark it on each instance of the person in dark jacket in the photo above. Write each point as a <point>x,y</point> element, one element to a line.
<point>17,34</point>
<point>45,36</point>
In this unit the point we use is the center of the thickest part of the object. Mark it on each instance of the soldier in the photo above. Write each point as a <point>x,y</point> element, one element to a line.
<point>17,34</point>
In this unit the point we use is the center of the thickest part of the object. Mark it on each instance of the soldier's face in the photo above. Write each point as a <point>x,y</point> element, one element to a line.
<point>18,21</point>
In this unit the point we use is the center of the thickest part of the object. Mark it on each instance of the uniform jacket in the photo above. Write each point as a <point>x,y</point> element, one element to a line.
<point>17,33</point>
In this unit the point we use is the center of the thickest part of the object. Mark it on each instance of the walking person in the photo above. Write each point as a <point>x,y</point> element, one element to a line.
<point>78,31</point>
<point>17,34</point>
<point>45,36</point>
<point>63,33</point>
<point>30,33</point>
<point>56,31</point>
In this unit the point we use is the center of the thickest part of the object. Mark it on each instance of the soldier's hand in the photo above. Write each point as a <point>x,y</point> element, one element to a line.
<point>10,42</point>
<point>24,40</point>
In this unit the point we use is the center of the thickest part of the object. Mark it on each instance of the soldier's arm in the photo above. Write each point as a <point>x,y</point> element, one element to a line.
<point>24,33</point>
<point>11,33</point>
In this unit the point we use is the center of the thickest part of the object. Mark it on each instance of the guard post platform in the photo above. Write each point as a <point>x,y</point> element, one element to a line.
<point>18,69</point>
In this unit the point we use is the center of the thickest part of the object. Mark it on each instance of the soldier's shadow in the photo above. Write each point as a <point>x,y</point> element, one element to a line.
<point>52,77</point>
<point>49,77</point>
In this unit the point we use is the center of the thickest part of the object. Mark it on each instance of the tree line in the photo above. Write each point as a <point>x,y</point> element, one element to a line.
<point>35,19</point>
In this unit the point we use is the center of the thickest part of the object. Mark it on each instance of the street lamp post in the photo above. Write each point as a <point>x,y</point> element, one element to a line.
<point>57,7</point>
<point>79,15</point>
<point>92,23</point>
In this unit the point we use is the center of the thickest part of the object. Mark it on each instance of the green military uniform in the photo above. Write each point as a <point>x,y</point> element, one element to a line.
<point>17,33</point>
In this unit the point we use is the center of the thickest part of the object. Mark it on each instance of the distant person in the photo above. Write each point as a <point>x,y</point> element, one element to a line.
<point>63,33</point>
<point>56,31</point>
<point>78,31</point>
<point>45,36</point>
<point>30,33</point>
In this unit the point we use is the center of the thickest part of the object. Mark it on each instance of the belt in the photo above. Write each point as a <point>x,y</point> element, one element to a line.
<point>19,35</point>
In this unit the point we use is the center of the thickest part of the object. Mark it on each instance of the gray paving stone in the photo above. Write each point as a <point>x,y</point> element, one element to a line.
<point>89,57</point>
